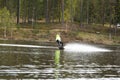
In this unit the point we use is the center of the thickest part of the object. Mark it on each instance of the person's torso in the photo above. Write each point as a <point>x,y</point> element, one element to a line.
<point>58,37</point>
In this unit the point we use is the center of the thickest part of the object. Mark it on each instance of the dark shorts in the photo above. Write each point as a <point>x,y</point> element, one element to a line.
<point>59,43</point>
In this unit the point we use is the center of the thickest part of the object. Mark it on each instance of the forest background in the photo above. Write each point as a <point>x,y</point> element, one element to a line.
<point>94,21</point>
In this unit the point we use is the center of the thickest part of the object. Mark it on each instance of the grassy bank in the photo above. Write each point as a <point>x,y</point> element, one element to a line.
<point>73,32</point>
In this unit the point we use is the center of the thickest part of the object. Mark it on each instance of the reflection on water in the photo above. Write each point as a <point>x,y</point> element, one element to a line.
<point>57,63</point>
<point>40,63</point>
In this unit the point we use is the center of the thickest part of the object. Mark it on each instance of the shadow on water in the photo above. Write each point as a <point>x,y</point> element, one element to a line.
<point>42,63</point>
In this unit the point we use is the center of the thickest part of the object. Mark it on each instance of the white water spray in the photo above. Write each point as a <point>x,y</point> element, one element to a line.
<point>77,47</point>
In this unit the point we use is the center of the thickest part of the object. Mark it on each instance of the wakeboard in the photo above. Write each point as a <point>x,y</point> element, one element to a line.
<point>61,47</point>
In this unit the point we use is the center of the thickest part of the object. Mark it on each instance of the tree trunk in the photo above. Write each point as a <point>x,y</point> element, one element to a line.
<point>111,20</point>
<point>87,11</point>
<point>53,8</point>
<point>81,12</point>
<point>33,16</point>
<point>71,10</point>
<point>18,11</point>
<point>5,32</point>
<point>62,12</point>
<point>103,13</point>
<point>47,11</point>
<point>59,10</point>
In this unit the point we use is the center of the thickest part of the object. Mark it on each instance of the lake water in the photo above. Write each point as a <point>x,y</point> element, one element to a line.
<point>32,60</point>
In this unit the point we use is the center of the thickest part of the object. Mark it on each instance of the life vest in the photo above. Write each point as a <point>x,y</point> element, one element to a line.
<point>58,37</point>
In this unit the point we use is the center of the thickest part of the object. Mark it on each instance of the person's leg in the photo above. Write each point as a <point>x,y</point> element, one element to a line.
<point>61,43</point>
<point>58,42</point>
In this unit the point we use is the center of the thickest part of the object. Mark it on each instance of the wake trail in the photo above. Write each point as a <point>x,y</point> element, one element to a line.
<point>27,46</point>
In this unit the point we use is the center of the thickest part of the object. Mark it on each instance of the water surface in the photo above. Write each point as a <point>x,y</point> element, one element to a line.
<point>52,63</point>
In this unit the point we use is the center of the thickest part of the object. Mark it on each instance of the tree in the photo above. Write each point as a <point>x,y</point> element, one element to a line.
<point>62,11</point>
<point>47,11</point>
<point>18,11</point>
<point>5,19</point>
<point>117,11</point>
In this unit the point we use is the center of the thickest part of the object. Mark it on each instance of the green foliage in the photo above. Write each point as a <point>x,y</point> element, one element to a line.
<point>5,17</point>
<point>67,12</point>
<point>95,11</point>
<point>117,12</point>
<point>6,20</point>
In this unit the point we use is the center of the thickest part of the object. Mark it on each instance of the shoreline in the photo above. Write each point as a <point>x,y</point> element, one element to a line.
<point>47,34</point>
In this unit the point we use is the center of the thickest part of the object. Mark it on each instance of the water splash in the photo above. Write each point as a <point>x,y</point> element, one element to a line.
<point>77,47</point>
